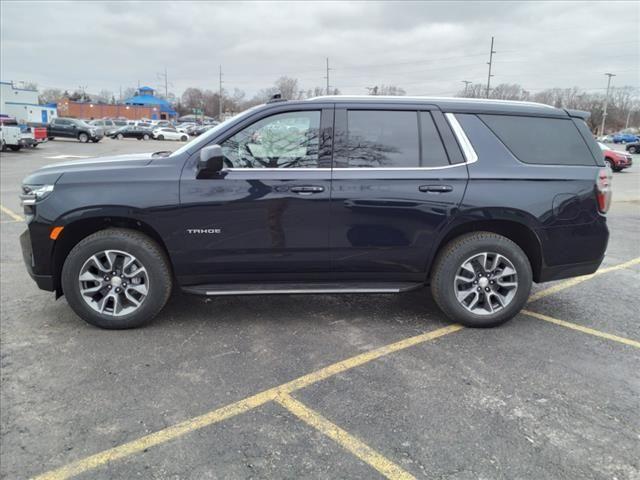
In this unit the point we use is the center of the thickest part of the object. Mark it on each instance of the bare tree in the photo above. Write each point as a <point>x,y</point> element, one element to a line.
<point>50,95</point>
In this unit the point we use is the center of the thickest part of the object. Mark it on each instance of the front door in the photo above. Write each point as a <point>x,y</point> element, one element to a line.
<point>396,184</point>
<point>266,215</point>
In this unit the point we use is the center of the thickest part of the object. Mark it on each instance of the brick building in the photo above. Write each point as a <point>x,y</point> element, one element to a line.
<point>87,110</point>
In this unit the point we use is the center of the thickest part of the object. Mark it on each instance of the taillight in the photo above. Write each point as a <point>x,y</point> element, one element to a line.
<point>603,189</point>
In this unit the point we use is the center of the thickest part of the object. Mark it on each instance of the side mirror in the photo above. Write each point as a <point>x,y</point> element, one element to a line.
<point>211,159</point>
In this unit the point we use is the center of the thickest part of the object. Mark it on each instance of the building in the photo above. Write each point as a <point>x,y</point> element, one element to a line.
<point>90,110</point>
<point>145,98</point>
<point>22,104</point>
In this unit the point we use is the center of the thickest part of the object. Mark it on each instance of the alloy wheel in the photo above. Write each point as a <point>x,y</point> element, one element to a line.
<point>113,282</point>
<point>486,283</point>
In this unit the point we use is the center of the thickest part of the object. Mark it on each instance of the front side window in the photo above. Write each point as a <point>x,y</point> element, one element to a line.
<point>381,139</point>
<point>284,140</point>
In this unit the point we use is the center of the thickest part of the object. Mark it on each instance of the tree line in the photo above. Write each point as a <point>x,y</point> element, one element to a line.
<point>623,105</point>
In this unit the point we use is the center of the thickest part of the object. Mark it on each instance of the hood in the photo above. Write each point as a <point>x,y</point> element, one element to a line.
<point>51,173</point>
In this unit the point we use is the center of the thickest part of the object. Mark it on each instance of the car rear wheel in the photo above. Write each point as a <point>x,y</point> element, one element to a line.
<point>183,138</point>
<point>120,136</point>
<point>609,164</point>
<point>481,279</point>
<point>633,149</point>
<point>83,137</point>
<point>160,137</point>
<point>145,137</point>
<point>117,279</point>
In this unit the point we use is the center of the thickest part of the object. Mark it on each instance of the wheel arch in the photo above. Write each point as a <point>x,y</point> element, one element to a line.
<point>520,233</point>
<point>79,229</point>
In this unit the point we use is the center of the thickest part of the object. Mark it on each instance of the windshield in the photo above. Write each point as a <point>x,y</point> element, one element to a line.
<point>205,137</point>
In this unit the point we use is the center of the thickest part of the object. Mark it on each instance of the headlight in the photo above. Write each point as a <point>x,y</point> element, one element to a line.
<point>32,193</point>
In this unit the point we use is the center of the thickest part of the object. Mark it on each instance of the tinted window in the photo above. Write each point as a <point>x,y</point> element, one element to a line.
<point>433,153</point>
<point>551,141</point>
<point>381,139</point>
<point>285,140</point>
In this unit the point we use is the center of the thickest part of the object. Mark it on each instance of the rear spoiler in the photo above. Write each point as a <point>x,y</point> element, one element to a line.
<point>578,113</point>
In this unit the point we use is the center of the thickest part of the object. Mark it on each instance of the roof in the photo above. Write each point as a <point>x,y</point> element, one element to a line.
<point>151,101</point>
<point>449,104</point>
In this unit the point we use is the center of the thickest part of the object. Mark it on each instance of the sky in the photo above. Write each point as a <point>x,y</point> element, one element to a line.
<point>426,48</point>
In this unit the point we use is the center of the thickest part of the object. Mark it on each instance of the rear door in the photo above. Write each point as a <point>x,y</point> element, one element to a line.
<point>398,178</point>
<point>267,213</point>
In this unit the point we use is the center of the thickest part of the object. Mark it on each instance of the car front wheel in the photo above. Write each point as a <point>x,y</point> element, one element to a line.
<point>83,137</point>
<point>117,279</point>
<point>481,279</point>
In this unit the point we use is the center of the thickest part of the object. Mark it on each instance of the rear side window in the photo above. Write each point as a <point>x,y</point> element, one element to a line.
<point>381,139</point>
<point>431,147</point>
<point>547,141</point>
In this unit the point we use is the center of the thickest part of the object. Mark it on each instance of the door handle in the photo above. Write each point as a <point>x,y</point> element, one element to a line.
<point>435,188</point>
<point>307,189</point>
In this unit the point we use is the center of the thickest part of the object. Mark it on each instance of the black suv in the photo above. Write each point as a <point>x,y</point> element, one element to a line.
<point>329,195</point>
<point>74,128</point>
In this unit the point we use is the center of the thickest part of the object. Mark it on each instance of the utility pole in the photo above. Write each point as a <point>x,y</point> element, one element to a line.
<point>466,85</point>
<point>220,93</point>
<point>490,63</point>
<point>626,124</point>
<point>327,77</point>
<point>606,101</point>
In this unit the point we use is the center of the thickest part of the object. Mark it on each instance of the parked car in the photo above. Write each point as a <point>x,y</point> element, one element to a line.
<point>452,193</point>
<point>107,126</point>
<point>169,134</point>
<point>625,138</point>
<point>606,139</point>
<point>14,136</point>
<point>131,132</point>
<point>616,161</point>
<point>161,124</point>
<point>201,129</point>
<point>74,128</point>
<point>633,147</point>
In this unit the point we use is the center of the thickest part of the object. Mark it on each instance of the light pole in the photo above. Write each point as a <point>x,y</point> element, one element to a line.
<point>606,101</point>
<point>466,85</point>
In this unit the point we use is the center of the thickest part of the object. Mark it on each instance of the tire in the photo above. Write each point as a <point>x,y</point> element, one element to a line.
<point>120,136</point>
<point>146,252</point>
<point>448,265</point>
<point>51,139</point>
<point>83,137</point>
<point>633,149</point>
<point>609,164</point>
<point>145,137</point>
<point>95,140</point>
<point>15,148</point>
<point>160,137</point>
<point>184,138</point>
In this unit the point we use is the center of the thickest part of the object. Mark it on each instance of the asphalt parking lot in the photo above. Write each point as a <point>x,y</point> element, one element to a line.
<point>331,386</point>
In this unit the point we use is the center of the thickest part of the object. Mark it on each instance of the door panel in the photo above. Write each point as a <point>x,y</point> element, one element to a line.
<point>261,215</point>
<point>385,218</point>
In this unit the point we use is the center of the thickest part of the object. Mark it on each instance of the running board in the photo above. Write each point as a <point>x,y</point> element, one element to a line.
<point>300,288</point>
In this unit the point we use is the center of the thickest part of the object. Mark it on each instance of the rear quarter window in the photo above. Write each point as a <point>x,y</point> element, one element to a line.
<point>546,141</point>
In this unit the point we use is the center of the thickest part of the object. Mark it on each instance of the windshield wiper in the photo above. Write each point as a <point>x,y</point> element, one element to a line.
<point>161,153</point>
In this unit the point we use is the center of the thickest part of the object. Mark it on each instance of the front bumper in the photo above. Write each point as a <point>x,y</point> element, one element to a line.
<point>44,282</point>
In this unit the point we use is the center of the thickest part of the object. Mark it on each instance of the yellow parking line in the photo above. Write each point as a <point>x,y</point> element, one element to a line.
<point>358,448</point>
<point>241,406</point>
<point>12,214</point>
<point>580,328</point>
<point>577,280</point>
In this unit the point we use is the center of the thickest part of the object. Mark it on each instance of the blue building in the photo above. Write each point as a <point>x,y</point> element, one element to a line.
<point>145,98</point>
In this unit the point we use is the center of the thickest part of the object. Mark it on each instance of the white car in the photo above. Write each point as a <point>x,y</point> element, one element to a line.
<point>169,134</point>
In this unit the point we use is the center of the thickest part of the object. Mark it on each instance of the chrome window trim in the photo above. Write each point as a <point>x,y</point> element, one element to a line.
<point>468,151</point>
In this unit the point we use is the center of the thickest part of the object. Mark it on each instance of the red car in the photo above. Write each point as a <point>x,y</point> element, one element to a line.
<point>616,161</point>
